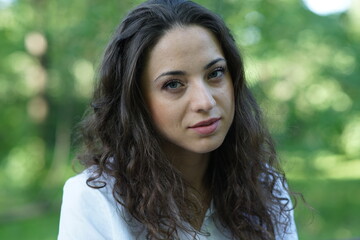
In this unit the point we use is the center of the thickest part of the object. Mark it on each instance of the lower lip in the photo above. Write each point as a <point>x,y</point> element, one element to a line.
<point>206,130</point>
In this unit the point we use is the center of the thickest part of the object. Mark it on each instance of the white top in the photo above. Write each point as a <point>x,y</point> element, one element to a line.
<point>93,214</point>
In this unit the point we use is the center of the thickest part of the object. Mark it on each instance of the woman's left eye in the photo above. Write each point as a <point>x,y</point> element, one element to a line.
<point>172,85</point>
<point>218,72</point>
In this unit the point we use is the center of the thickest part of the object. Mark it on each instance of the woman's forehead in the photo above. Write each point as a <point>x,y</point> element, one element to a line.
<point>183,46</point>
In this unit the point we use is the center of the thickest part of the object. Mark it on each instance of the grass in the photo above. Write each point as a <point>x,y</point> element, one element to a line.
<point>44,227</point>
<point>336,212</point>
<point>336,215</point>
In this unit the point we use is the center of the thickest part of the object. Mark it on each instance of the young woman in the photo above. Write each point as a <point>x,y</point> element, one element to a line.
<point>175,147</point>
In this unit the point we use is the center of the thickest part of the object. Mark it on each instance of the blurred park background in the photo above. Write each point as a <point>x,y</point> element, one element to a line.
<point>302,62</point>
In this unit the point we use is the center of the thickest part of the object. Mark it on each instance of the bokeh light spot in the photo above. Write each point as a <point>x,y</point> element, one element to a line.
<point>37,109</point>
<point>83,72</point>
<point>350,138</point>
<point>326,7</point>
<point>35,43</point>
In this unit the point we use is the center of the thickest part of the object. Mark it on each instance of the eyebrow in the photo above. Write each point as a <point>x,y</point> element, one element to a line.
<point>207,66</point>
<point>171,73</point>
<point>182,73</point>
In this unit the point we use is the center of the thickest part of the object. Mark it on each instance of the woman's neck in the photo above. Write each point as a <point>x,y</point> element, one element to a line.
<point>193,166</point>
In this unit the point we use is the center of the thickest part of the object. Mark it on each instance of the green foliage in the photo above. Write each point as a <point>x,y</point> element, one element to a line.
<point>43,227</point>
<point>303,68</point>
<point>336,212</point>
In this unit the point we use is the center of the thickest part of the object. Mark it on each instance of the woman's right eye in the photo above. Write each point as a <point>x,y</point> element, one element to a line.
<point>172,85</point>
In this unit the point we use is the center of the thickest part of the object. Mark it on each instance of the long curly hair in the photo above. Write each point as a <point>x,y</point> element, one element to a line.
<point>121,141</point>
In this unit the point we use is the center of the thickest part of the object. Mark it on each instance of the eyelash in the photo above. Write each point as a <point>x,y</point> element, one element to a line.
<point>167,84</point>
<point>218,69</point>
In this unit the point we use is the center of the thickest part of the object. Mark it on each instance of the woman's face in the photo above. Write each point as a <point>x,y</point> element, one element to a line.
<point>188,89</point>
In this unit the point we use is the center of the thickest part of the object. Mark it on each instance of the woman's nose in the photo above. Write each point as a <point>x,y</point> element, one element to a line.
<point>202,99</point>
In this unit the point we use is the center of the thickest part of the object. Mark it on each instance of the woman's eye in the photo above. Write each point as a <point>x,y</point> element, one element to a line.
<point>218,72</point>
<point>172,85</point>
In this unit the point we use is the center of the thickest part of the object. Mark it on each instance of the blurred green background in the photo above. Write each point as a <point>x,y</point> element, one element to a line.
<point>302,65</point>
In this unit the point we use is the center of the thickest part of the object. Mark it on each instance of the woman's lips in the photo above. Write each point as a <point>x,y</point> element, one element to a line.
<point>206,127</point>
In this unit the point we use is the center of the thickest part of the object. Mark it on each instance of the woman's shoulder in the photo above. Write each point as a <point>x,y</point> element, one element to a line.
<point>287,231</point>
<point>91,212</point>
<point>81,184</point>
<point>78,192</point>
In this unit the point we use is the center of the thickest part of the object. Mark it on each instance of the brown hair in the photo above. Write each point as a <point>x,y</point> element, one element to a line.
<point>121,142</point>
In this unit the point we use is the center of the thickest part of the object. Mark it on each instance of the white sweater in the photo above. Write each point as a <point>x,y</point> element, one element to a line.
<point>93,214</point>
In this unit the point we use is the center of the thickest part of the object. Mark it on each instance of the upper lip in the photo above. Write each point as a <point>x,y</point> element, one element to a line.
<point>205,123</point>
